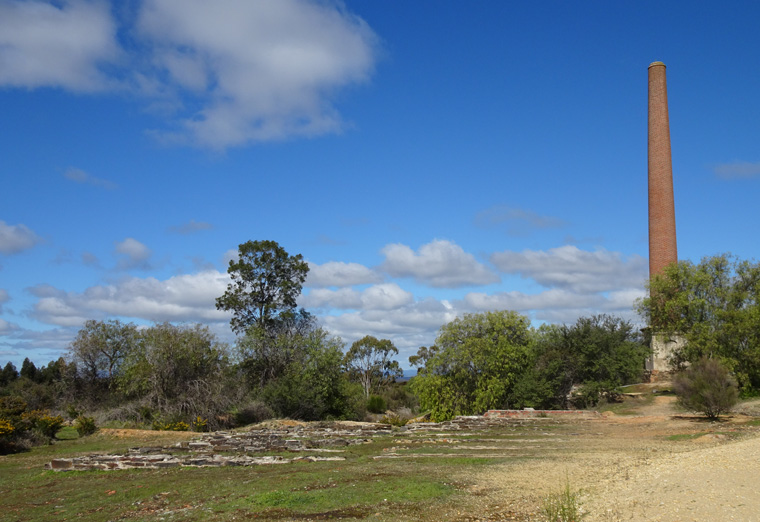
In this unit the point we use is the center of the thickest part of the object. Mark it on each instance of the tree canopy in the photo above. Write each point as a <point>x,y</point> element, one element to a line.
<point>478,361</point>
<point>266,281</point>
<point>715,307</point>
<point>369,362</point>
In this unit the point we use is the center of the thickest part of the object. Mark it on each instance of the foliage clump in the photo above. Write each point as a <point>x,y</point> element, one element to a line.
<point>476,366</point>
<point>85,426</point>
<point>714,306</point>
<point>706,387</point>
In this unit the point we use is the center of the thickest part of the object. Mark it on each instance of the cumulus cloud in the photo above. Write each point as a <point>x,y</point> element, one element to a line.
<point>517,221</point>
<point>568,267</point>
<point>335,273</point>
<point>555,305</point>
<point>409,326</point>
<point>387,296</point>
<point>61,44</point>
<point>7,328</point>
<point>132,254</point>
<point>79,176</point>
<point>737,170</point>
<point>440,263</point>
<point>188,297</point>
<point>16,238</point>
<point>227,73</point>
<point>259,70</point>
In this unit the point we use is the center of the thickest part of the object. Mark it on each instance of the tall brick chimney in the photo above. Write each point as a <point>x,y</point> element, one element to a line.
<point>662,215</point>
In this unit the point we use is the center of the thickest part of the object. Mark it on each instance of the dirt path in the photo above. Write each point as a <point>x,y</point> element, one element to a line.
<point>630,469</point>
<point>713,484</point>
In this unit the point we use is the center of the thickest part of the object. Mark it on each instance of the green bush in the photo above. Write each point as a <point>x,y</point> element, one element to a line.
<point>706,387</point>
<point>85,426</point>
<point>376,404</point>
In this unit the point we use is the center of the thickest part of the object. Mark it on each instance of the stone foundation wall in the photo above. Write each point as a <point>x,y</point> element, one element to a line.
<point>530,414</point>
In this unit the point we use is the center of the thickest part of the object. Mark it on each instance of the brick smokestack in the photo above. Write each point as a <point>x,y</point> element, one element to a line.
<point>662,215</point>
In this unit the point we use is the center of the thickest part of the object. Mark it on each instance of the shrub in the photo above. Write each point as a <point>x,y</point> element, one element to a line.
<point>72,412</point>
<point>200,424</point>
<point>376,404</point>
<point>171,426</point>
<point>43,422</point>
<point>85,426</point>
<point>706,387</point>
<point>253,413</point>
<point>6,429</point>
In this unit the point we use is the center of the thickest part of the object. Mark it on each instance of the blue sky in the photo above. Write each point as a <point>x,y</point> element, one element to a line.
<point>428,158</point>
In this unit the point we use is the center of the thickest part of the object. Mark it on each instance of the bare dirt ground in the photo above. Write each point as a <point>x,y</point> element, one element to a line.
<point>657,464</point>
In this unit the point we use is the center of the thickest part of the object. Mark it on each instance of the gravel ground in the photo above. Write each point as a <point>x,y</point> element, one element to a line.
<point>713,484</point>
<point>628,469</point>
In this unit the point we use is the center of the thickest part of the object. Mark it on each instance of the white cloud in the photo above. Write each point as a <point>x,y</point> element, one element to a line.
<point>79,176</point>
<point>440,263</point>
<point>568,267</point>
<point>6,327</point>
<point>132,253</point>
<point>555,305</point>
<point>229,72</point>
<point>516,220</point>
<point>388,296</point>
<point>409,327</point>
<point>260,70</point>
<point>180,298</point>
<point>16,238</point>
<point>335,273</point>
<point>59,44</point>
<point>738,170</point>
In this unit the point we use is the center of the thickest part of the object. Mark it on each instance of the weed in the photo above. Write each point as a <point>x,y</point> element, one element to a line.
<point>564,506</point>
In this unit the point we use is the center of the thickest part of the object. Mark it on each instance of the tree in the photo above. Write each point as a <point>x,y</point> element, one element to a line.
<point>28,370</point>
<point>266,281</point>
<point>313,386</point>
<point>178,371</point>
<point>706,387</point>
<point>265,355</point>
<point>478,362</point>
<point>9,374</point>
<point>423,356</point>
<point>369,362</point>
<point>600,353</point>
<point>715,307</point>
<point>100,347</point>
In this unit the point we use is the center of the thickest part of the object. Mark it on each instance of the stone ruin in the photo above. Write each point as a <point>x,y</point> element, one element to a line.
<point>317,441</point>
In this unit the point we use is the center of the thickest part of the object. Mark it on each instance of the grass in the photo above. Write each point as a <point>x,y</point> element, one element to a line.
<point>628,406</point>
<point>564,506</point>
<point>360,487</point>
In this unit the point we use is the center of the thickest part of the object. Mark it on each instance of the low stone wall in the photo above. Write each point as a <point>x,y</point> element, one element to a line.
<point>158,461</point>
<point>530,414</point>
<point>313,440</point>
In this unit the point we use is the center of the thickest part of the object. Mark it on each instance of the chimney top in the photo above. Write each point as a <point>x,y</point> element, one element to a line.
<point>656,63</point>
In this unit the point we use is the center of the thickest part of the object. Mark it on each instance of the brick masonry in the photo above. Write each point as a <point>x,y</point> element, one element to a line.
<point>662,216</point>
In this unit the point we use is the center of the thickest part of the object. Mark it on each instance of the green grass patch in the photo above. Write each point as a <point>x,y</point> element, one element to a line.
<point>67,433</point>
